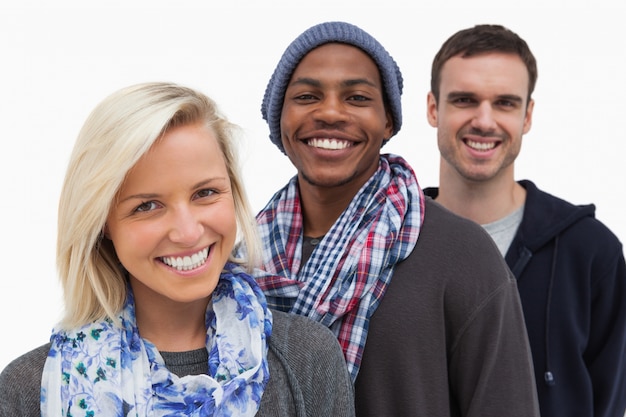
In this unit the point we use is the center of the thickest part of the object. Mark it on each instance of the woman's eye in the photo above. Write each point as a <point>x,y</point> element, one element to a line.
<point>205,193</point>
<point>147,206</point>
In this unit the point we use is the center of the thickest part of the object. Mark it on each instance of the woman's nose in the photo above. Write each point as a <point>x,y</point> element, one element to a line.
<point>185,228</point>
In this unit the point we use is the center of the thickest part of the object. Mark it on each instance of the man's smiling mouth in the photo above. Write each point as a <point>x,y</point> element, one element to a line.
<point>480,146</point>
<point>329,143</point>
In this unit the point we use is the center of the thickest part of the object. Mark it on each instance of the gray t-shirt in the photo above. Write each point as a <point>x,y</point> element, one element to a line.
<point>503,231</point>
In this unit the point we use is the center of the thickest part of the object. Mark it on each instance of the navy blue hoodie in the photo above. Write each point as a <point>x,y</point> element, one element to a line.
<point>571,277</point>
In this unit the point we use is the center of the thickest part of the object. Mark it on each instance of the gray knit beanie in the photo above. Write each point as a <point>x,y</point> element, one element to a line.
<point>318,35</point>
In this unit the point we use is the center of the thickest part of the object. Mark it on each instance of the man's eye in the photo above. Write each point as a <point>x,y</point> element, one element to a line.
<point>358,97</point>
<point>147,206</point>
<point>305,97</point>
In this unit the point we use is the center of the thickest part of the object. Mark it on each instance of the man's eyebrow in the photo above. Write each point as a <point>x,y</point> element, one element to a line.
<point>306,81</point>
<point>511,97</point>
<point>466,94</point>
<point>459,94</point>
<point>358,81</point>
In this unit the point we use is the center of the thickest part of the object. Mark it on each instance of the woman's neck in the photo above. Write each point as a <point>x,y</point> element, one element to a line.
<point>173,327</point>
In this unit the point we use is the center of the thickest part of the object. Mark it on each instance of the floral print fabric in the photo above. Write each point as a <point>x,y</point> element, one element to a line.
<point>102,369</point>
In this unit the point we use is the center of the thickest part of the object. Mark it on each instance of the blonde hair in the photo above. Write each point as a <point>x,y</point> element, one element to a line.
<point>114,137</point>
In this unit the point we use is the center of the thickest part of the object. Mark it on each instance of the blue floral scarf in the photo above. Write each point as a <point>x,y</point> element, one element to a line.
<point>348,273</point>
<point>102,369</point>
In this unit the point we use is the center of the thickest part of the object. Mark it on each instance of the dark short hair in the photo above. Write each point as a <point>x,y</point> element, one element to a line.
<point>482,39</point>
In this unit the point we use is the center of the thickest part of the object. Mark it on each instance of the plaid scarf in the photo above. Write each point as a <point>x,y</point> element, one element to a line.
<point>343,282</point>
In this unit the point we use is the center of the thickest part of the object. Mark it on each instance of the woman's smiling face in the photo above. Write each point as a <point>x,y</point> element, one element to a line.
<point>173,222</point>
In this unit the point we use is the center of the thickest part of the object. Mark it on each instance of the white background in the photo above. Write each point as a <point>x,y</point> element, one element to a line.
<point>57,63</point>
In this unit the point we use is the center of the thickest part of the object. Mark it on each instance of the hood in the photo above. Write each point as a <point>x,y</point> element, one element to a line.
<point>546,216</point>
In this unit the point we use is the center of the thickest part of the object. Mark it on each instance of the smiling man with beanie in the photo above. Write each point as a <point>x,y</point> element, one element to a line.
<point>423,305</point>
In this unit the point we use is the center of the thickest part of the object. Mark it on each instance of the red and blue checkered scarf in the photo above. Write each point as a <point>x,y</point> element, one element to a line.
<point>348,272</point>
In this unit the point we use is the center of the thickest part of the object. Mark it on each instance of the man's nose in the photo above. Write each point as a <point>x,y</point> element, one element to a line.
<point>484,117</point>
<point>331,109</point>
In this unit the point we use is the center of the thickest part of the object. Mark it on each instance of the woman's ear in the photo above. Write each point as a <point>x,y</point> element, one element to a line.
<point>105,232</point>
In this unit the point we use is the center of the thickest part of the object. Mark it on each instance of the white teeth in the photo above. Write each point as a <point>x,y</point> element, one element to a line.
<point>187,262</point>
<point>326,143</point>
<point>481,146</point>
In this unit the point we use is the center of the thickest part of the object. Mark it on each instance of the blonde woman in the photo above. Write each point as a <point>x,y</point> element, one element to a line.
<point>160,318</point>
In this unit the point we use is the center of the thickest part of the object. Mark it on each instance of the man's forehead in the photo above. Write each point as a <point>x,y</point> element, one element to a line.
<point>497,72</point>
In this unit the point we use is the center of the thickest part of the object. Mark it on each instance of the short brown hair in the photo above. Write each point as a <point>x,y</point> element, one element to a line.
<point>483,39</point>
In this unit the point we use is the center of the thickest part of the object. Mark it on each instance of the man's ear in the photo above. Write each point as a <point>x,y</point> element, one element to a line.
<point>431,109</point>
<point>528,118</point>
<point>388,126</point>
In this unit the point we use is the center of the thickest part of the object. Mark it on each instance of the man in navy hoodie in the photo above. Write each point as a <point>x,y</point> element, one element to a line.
<point>569,266</point>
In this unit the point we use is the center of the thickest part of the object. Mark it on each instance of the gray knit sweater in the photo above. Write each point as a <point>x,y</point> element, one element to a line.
<point>308,375</point>
<point>448,338</point>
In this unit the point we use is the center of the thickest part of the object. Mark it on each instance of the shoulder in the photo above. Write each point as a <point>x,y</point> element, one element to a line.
<point>20,383</point>
<point>294,335</point>
<point>306,349</point>
<point>29,365</point>
<point>439,219</point>
<point>308,370</point>
<point>445,235</point>
<point>546,216</point>
<point>456,262</point>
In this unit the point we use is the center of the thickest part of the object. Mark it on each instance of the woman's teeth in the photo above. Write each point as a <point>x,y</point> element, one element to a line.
<point>185,263</point>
